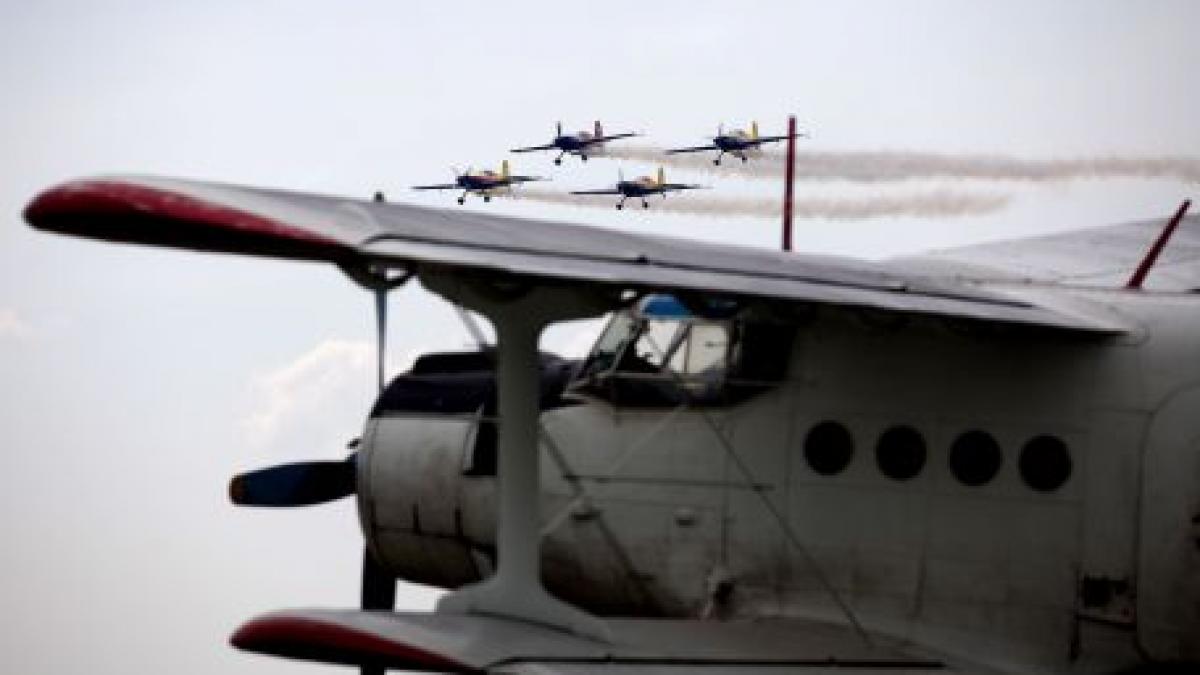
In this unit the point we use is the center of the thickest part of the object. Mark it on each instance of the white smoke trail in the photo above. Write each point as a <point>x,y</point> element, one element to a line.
<point>883,166</point>
<point>932,204</point>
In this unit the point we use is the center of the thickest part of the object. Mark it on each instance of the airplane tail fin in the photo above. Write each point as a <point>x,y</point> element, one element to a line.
<point>504,168</point>
<point>599,129</point>
<point>662,176</point>
<point>754,130</point>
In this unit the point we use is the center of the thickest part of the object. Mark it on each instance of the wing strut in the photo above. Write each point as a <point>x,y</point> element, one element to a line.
<point>519,315</point>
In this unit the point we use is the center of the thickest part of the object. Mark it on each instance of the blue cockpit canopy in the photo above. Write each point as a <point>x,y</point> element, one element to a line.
<point>662,306</point>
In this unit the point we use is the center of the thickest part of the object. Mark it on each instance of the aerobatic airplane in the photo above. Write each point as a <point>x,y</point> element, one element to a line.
<point>582,143</point>
<point>981,460</point>
<point>483,183</point>
<point>641,187</point>
<point>739,143</point>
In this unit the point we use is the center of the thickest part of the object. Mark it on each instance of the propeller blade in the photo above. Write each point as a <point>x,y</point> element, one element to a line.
<point>558,129</point>
<point>297,484</point>
<point>378,584</point>
<point>380,333</point>
<point>378,594</point>
<point>720,128</point>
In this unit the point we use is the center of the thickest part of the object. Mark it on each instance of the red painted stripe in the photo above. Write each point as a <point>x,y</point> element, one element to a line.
<point>316,640</point>
<point>97,207</point>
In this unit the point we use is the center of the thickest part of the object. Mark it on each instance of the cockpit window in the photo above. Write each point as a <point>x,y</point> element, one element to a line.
<point>662,355</point>
<point>656,349</point>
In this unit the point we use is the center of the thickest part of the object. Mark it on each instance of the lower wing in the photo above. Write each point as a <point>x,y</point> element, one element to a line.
<point>512,180</point>
<point>682,186</point>
<point>698,148</point>
<point>442,186</point>
<point>479,644</point>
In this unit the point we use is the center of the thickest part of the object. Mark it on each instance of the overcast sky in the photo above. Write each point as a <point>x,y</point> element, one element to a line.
<point>134,382</point>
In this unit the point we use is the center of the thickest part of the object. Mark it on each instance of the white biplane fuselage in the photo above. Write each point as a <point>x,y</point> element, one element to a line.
<point>917,466</point>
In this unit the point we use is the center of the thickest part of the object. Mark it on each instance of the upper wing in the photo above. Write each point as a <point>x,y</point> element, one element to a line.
<point>217,217</point>
<point>439,186</point>
<point>609,191</point>
<point>682,186</point>
<point>477,644</point>
<point>535,147</point>
<point>698,148</point>
<point>524,179</point>
<point>1098,256</point>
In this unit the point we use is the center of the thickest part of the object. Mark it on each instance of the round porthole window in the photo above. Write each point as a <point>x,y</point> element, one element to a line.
<point>975,458</point>
<point>828,448</point>
<point>900,452</point>
<point>1045,463</point>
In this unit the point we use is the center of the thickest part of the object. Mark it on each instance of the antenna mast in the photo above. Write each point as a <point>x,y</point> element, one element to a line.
<point>789,175</point>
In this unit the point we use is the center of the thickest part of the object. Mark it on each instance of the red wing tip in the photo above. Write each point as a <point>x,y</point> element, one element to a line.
<point>88,207</point>
<point>316,640</point>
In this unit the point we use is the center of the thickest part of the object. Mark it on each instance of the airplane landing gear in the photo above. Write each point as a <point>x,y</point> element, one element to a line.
<point>620,206</point>
<point>583,157</point>
<point>558,161</point>
<point>462,200</point>
<point>487,198</point>
<point>744,159</point>
<point>645,205</point>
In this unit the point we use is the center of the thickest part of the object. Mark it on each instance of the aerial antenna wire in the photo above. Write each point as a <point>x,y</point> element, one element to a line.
<point>752,484</point>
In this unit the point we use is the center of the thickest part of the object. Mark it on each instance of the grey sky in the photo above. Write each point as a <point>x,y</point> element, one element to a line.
<point>134,382</point>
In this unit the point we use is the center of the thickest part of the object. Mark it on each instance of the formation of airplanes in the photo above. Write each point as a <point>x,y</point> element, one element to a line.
<point>583,144</point>
<point>976,460</point>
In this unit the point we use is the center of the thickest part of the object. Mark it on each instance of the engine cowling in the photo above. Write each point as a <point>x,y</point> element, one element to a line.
<point>426,468</point>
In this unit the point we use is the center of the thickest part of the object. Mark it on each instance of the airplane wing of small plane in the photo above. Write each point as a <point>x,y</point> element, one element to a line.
<point>524,179</point>
<point>228,218</point>
<point>611,137</point>
<point>696,148</point>
<point>440,186</point>
<point>609,191</point>
<point>478,644</point>
<point>534,148</point>
<point>682,186</point>
<point>771,139</point>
